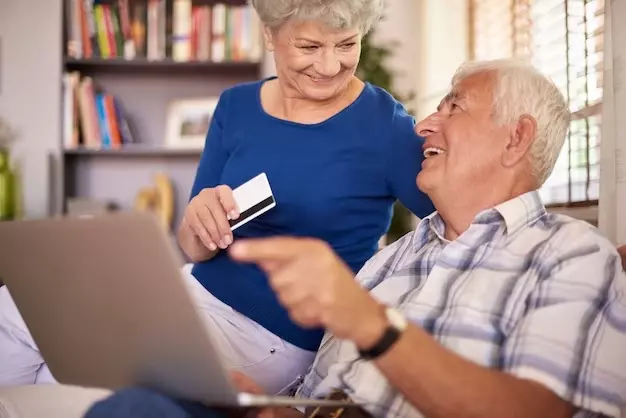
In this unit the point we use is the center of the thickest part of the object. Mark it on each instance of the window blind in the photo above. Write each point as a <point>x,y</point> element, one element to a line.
<point>564,40</point>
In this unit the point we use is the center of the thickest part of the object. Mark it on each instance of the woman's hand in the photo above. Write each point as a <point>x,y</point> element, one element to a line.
<point>207,216</point>
<point>245,384</point>
<point>204,227</point>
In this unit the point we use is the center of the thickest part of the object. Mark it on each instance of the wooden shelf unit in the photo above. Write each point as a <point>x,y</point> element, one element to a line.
<point>144,89</point>
<point>131,152</point>
<point>164,67</point>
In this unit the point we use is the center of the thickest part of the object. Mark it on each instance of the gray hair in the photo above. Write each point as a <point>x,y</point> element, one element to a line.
<point>521,89</point>
<point>338,14</point>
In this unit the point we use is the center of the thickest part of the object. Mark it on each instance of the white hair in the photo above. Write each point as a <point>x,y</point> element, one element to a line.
<point>338,14</point>
<point>520,89</point>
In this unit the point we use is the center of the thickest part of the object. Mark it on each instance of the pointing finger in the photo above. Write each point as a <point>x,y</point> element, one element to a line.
<point>268,250</point>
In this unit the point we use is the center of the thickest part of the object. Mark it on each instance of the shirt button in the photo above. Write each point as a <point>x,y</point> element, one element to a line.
<point>272,350</point>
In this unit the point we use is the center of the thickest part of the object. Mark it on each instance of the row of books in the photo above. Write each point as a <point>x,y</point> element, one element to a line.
<point>161,29</point>
<point>91,117</point>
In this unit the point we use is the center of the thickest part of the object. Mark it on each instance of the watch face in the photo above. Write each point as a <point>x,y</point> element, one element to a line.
<point>396,319</point>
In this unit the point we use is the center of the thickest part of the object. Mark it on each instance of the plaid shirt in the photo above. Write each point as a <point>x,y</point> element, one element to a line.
<point>536,295</point>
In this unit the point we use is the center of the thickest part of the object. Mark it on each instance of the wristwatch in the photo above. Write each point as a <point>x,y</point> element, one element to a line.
<point>395,327</point>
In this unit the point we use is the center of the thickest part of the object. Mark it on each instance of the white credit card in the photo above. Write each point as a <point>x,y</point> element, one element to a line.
<point>253,199</point>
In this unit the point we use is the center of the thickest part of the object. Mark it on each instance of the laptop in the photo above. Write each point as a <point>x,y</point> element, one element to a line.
<point>106,303</point>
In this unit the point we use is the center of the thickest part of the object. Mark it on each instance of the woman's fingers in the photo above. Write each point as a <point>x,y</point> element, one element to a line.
<point>210,212</point>
<point>199,229</point>
<point>223,235</point>
<point>227,199</point>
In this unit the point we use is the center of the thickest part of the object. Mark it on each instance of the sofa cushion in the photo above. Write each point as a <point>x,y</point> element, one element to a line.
<point>48,400</point>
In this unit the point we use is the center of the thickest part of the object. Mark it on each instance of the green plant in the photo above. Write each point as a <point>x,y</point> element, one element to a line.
<point>7,135</point>
<point>373,68</point>
<point>8,183</point>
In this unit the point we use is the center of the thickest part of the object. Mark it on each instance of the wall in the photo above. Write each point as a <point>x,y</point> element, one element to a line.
<point>30,93</point>
<point>432,38</point>
<point>444,44</point>
<point>612,220</point>
<point>399,26</point>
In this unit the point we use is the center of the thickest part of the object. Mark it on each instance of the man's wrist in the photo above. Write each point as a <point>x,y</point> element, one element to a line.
<point>371,328</point>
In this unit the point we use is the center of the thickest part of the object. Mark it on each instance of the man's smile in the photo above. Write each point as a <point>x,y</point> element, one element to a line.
<point>432,151</point>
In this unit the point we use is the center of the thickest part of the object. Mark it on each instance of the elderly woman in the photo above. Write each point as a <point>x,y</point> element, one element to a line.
<point>338,152</point>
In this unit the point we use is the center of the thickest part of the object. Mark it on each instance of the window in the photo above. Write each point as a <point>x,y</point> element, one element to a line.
<point>564,40</point>
<point>500,28</point>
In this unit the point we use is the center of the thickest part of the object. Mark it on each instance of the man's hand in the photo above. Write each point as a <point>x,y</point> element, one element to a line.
<point>316,287</point>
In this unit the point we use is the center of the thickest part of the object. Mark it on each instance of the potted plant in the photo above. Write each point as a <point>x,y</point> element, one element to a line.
<point>8,206</point>
<point>373,68</point>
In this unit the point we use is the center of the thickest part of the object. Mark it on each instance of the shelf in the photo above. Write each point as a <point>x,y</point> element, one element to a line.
<point>164,67</point>
<point>132,152</point>
<point>211,2</point>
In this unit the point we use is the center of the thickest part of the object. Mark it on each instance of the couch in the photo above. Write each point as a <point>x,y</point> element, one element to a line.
<point>48,401</point>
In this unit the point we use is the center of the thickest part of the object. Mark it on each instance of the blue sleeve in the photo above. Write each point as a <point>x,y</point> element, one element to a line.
<point>214,155</point>
<point>404,161</point>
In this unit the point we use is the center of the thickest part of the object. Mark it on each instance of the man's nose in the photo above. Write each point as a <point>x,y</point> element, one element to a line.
<point>423,131</point>
<point>328,65</point>
<point>430,125</point>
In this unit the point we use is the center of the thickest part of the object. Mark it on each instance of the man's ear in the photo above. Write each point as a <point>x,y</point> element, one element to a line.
<point>521,137</point>
<point>268,37</point>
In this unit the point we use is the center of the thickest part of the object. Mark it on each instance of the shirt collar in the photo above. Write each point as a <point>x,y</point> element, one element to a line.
<point>521,211</point>
<point>429,228</point>
<point>516,213</point>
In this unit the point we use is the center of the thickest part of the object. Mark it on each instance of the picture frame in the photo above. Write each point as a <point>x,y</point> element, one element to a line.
<point>188,122</point>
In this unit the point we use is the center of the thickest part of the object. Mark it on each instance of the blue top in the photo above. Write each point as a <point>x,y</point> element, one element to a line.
<point>336,180</point>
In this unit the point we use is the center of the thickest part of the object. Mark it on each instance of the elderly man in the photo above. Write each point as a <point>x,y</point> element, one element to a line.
<point>491,307</point>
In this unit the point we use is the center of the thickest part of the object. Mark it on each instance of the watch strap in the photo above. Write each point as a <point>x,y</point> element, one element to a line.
<point>389,337</point>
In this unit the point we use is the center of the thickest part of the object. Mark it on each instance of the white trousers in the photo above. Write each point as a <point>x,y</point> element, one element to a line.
<point>245,345</point>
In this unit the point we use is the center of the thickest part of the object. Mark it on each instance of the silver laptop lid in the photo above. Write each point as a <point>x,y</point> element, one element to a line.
<point>105,302</point>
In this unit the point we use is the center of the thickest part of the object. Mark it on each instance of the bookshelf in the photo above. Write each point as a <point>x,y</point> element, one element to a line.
<point>142,86</point>
<point>162,67</point>
<point>130,152</point>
